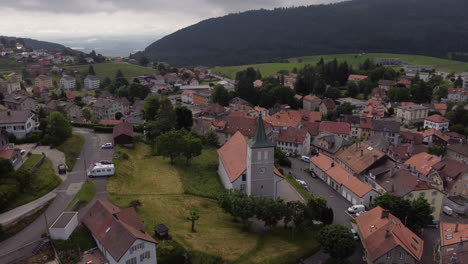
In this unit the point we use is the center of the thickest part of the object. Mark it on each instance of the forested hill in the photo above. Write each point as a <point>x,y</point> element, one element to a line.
<point>36,44</point>
<point>424,27</point>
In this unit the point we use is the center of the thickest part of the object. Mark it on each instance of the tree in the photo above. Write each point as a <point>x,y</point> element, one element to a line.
<point>137,91</point>
<point>24,176</point>
<point>150,108</point>
<point>269,211</point>
<point>438,150</point>
<point>281,159</point>
<point>327,216</point>
<point>238,204</point>
<point>135,204</point>
<point>420,214</point>
<point>353,89</point>
<point>183,118</point>
<point>337,241</point>
<point>6,168</point>
<point>333,93</point>
<point>193,217</point>
<point>91,70</point>
<point>344,109</point>
<point>193,147</point>
<point>58,129</point>
<point>211,138</point>
<point>458,82</point>
<point>87,114</point>
<point>398,94</point>
<point>170,145</point>
<point>118,116</point>
<point>144,61</point>
<point>220,95</point>
<point>315,208</point>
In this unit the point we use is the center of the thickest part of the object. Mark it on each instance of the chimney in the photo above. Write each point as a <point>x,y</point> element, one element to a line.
<point>387,233</point>
<point>456,227</point>
<point>362,152</point>
<point>142,226</point>
<point>332,164</point>
<point>385,214</point>
<point>8,112</point>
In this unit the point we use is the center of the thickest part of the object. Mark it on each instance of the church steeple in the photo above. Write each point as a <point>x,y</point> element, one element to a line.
<point>260,140</point>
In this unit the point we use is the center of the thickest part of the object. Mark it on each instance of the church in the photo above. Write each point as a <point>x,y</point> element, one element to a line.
<point>249,166</point>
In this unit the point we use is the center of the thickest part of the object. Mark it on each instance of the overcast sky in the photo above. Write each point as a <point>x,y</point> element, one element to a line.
<point>56,19</point>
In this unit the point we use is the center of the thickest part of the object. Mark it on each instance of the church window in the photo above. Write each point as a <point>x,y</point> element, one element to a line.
<point>259,155</point>
<point>265,155</point>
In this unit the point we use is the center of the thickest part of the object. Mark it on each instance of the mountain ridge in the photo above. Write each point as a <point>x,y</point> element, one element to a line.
<point>38,44</point>
<point>423,27</point>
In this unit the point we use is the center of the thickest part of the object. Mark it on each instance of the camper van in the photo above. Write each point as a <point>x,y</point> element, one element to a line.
<point>101,170</point>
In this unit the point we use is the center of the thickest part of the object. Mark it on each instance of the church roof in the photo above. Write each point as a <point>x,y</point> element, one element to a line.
<point>260,140</point>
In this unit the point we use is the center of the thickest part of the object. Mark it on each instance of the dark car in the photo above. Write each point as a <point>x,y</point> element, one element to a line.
<point>62,169</point>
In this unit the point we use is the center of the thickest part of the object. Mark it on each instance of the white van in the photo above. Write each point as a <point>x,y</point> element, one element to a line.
<point>447,210</point>
<point>358,208</point>
<point>101,170</point>
<point>305,158</point>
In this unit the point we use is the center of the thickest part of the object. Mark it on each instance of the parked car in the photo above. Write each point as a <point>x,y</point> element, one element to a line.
<point>447,210</point>
<point>62,169</point>
<point>107,146</point>
<point>103,162</point>
<point>23,152</point>
<point>355,234</point>
<point>101,171</point>
<point>291,154</point>
<point>302,183</point>
<point>358,208</point>
<point>305,158</point>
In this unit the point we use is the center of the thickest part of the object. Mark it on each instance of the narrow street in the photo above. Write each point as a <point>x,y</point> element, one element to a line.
<point>23,243</point>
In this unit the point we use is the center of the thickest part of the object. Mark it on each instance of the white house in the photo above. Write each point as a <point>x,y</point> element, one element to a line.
<point>294,140</point>
<point>18,123</point>
<point>343,182</point>
<point>91,82</point>
<point>437,122</point>
<point>67,82</point>
<point>187,96</point>
<point>458,94</point>
<point>119,234</point>
<point>64,226</point>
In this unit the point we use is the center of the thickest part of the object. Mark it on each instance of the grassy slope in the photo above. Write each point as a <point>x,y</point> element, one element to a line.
<point>104,70</point>
<point>353,59</point>
<point>72,149</point>
<point>43,181</point>
<point>301,190</point>
<point>84,196</point>
<point>160,187</point>
<point>8,65</point>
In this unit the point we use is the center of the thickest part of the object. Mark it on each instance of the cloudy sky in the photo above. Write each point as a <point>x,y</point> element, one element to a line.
<point>148,19</point>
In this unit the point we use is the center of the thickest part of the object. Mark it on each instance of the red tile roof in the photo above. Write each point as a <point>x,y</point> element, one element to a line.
<point>437,119</point>
<point>356,77</point>
<point>7,153</point>
<point>116,229</point>
<point>292,135</point>
<point>284,119</point>
<point>341,128</point>
<point>329,103</point>
<point>440,106</point>
<point>423,162</point>
<point>312,127</point>
<point>359,156</point>
<point>380,235</point>
<point>123,129</point>
<point>310,97</point>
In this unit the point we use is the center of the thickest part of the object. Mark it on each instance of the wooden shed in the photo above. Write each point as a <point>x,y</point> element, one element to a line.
<point>123,134</point>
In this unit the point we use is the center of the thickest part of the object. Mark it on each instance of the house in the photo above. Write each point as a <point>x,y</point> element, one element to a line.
<point>91,82</point>
<point>432,136</point>
<point>406,151</point>
<point>404,82</point>
<point>238,101</point>
<point>411,138</point>
<point>73,111</point>
<point>402,182</point>
<point>19,101</point>
<point>294,140</point>
<point>284,119</point>
<point>341,129</point>
<point>329,144</point>
<point>421,164</point>
<point>356,77</point>
<point>311,102</point>
<point>449,176</point>
<point>348,186</point>
<point>64,225</point>
<point>213,112</point>
<point>13,155</point>
<point>67,82</point>
<point>457,151</point>
<point>378,94</point>
<point>441,108</point>
<point>312,128</point>
<point>201,97</point>
<point>453,241</point>
<point>359,157</point>
<point>386,84</point>
<point>387,129</point>
<point>120,234</point>
<point>465,80</point>
<point>43,81</point>
<point>386,239</point>
<point>107,107</point>
<point>458,94</point>
<point>366,125</point>
<point>9,85</point>
<point>249,166</point>
<point>18,123</point>
<point>326,105</point>
<point>187,96</point>
<point>411,114</point>
<point>40,91</point>
<point>123,134</point>
<point>374,109</point>
<point>437,122</point>
<point>238,122</point>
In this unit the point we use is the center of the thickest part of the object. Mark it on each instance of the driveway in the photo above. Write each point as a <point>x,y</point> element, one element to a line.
<point>339,205</point>
<point>16,247</point>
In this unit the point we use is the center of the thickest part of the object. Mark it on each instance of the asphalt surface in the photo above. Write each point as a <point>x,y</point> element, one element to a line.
<point>23,243</point>
<point>339,205</point>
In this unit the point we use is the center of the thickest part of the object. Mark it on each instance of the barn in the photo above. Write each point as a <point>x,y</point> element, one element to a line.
<point>123,134</point>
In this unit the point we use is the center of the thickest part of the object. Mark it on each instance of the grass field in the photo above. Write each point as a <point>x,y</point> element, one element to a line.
<point>43,181</point>
<point>160,187</point>
<point>104,70</point>
<point>8,65</point>
<point>84,196</point>
<point>72,149</point>
<point>353,59</point>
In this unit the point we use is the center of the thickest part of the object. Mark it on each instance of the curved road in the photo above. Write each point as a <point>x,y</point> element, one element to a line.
<point>23,243</point>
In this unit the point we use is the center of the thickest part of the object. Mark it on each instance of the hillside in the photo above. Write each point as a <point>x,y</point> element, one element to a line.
<point>37,44</point>
<point>424,27</point>
<point>104,70</point>
<point>353,59</point>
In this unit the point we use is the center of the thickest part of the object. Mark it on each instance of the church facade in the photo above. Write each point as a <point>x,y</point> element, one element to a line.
<point>249,166</point>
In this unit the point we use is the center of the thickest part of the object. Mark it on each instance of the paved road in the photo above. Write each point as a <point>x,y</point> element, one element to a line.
<point>11,249</point>
<point>339,204</point>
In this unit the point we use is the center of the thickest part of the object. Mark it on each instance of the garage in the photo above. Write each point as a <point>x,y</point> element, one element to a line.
<point>64,226</point>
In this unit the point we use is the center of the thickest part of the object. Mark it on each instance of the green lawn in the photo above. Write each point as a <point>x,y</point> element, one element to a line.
<point>72,149</point>
<point>9,65</point>
<point>43,181</point>
<point>162,189</point>
<point>353,59</point>
<point>84,196</point>
<point>104,70</point>
<point>301,190</point>
<point>69,251</point>
<point>31,161</point>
